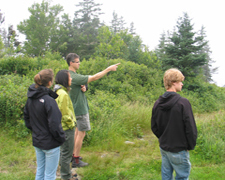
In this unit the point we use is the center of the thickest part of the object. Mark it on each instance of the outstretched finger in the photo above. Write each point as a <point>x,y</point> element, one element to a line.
<point>117,64</point>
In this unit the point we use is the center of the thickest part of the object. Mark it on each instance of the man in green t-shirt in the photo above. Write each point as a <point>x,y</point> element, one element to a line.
<point>80,103</point>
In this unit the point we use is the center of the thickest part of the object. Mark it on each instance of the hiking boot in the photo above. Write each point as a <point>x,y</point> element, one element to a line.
<point>80,164</point>
<point>73,178</point>
<point>73,158</point>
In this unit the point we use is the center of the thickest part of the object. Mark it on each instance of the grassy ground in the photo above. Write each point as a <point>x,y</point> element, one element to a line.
<point>117,160</point>
<point>140,160</point>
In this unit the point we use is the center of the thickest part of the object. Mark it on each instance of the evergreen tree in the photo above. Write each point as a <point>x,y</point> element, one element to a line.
<point>2,19</point>
<point>85,25</point>
<point>9,43</point>
<point>207,68</point>
<point>182,49</point>
<point>160,51</point>
<point>66,31</point>
<point>117,24</point>
<point>132,29</point>
<point>13,44</point>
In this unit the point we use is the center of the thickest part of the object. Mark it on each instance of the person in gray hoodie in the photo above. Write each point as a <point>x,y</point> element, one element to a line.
<point>174,125</point>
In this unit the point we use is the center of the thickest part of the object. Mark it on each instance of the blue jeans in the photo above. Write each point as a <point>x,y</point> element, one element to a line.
<point>179,162</point>
<point>47,163</point>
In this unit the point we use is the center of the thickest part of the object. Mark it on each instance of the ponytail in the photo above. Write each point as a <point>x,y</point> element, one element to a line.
<point>43,77</point>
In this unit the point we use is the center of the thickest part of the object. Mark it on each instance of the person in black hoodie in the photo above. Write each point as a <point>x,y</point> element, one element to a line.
<point>43,117</point>
<point>174,125</point>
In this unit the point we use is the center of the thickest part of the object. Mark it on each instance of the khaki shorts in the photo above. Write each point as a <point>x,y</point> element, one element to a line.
<point>83,122</point>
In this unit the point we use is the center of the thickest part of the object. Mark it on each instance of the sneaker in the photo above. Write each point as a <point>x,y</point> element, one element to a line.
<point>80,164</point>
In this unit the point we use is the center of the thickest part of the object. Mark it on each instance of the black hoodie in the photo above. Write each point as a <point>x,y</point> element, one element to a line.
<point>43,117</point>
<point>173,123</point>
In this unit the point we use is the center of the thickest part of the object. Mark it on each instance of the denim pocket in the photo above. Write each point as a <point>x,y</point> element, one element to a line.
<point>180,157</point>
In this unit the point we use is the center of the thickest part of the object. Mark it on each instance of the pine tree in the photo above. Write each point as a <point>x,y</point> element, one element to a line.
<point>86,24</point>
<point>163,42</point>
<point>13,44</point>
<point>182,50</point>
<point>2,19</point>
<point>132,29</point>
<point>207,68</point>
<point>117,24</point>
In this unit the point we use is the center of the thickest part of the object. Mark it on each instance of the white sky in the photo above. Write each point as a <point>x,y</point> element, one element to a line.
<point>150,19</point>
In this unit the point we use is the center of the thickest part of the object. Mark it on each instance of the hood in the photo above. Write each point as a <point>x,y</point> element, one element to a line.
<point>168,100</point>
<point>36,93</point>
<point>57,87</point>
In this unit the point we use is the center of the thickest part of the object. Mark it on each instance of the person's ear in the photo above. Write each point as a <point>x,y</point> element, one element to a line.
<point>49,83</point>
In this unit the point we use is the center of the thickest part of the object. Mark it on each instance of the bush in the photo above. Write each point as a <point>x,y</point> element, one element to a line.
<point>137,82</point>
<point>17,65</point>
<point>13,91</point>
<point>23,65</point>
<point>206,98</point>
<point>131,83</point>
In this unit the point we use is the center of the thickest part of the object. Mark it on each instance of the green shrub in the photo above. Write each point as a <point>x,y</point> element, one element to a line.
<point>18,130</point>
<point>17,65</point>
<point>206,98</point>
<point>23,65</point>
<point>131,84</point>
<point>137,82</point>
<point>13,91</point>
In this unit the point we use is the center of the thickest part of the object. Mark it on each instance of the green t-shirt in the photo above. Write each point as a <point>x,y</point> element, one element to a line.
<point>77,96</point>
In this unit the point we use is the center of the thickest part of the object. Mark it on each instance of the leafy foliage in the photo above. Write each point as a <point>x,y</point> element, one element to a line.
<point>182,50</point>
<point>18,65</point>
<point>137,82</point>
<point>110,46</point>
<point>41,29</point>
<point>13,91</point>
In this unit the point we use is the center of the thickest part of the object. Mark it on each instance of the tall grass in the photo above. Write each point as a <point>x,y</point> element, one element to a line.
<point>113,120</point>
<point>211,137</point>
<point>108,154</point>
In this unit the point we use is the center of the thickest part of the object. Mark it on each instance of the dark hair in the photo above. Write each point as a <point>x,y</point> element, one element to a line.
<point>62,78</point>
<point>43,77</point>
<point>70,57</point>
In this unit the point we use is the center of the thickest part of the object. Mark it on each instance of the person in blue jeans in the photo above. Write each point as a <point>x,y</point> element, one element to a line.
<point>174,125</point>
<point>43,117</point>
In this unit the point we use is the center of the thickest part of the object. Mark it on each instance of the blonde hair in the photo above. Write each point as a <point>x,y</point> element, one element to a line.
<point>172,75</point>
<point>43,77</point>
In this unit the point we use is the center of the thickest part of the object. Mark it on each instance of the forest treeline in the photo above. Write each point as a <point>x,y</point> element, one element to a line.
<point>50,35</point>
